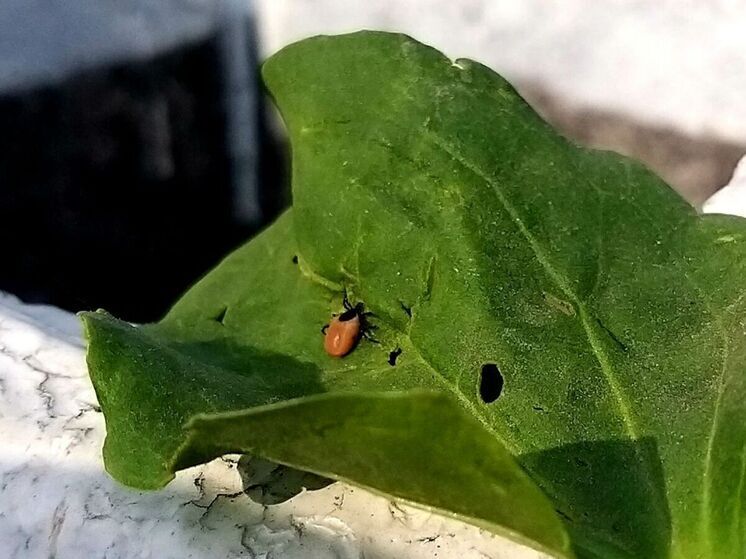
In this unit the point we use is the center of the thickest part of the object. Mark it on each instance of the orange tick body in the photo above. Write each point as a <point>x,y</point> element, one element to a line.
<point>342,334</point>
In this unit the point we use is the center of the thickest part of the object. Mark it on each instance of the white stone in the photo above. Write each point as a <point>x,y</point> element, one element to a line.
<point>57,501</point>
<point>730,199</point>
<point>676,63</point>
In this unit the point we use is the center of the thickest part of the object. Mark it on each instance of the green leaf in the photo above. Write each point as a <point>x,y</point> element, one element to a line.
<point>431,192</point>
<point>393,444</point>
<point>246,342</point>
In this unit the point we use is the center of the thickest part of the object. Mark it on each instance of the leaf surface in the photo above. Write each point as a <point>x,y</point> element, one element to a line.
<point>430,191</point>
<point>240,360</point>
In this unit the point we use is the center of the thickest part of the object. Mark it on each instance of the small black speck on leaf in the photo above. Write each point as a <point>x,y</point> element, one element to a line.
<point>295,259</point>
<point>491,383</point>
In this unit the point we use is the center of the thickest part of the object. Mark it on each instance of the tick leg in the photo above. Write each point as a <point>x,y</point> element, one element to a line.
<point>369,313</point>
<point>370,338</point>
<point>324,329</point>
<point>346,301</point>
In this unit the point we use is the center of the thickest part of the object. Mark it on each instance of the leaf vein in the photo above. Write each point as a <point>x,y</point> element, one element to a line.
<point>555,276</point>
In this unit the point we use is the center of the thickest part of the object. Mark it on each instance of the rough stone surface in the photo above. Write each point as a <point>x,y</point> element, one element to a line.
<point>57,501</point>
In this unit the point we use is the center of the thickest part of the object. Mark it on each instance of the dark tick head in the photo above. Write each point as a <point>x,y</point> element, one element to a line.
<point>349,314</point>
<point>352,311</point>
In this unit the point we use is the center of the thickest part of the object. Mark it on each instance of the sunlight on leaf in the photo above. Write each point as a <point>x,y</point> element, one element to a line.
<point>557,304</point>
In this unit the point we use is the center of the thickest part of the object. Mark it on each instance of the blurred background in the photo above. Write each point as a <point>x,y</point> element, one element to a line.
<point>137,146</point>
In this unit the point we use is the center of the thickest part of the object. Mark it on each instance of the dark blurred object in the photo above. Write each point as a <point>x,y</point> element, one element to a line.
<point>123,181</point>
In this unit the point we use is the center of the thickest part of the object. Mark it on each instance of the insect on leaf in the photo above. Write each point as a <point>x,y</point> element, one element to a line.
<point>549,302</point>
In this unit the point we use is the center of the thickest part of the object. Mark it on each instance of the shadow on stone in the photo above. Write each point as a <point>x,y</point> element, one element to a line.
<point>269,483</point>
<point>611,495</point>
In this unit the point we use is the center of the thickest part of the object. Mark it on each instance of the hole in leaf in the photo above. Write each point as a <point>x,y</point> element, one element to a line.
<point>491,383</point>
<point>538,408</point>
<point>220,317</point>
<point>393,355</point>
<point>295,259</point>
<point>407,310</point>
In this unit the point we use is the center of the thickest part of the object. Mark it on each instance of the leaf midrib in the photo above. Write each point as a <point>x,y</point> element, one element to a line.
<point>314,277</point>
<point>586,318</point>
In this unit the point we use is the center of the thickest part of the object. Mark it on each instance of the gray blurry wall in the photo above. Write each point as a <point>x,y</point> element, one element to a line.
<point>130,152</point>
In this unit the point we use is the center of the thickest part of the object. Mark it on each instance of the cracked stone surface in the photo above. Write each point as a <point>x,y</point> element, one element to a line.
<point>56,501</point>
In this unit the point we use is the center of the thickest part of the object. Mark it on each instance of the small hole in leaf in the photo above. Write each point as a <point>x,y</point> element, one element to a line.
<point>394,355</point>
<point>407,310</point>
<point>491,383</point>
<point>538,408</point>
<point>295,259</point>
<point>220,317</point>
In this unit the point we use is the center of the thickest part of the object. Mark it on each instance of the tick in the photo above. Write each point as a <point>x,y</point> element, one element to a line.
<point>343,333</point>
